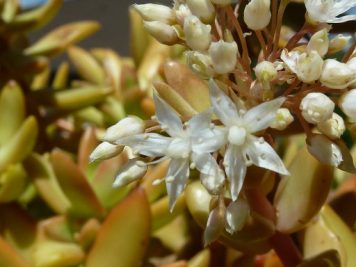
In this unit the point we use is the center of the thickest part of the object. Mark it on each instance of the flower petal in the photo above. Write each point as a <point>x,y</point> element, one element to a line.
<point>263,155</point>
<point>260,117</point>
<point>149,144</point>
<point>177,176</point>
<point>235,168</point>
<point>236,215</point>
<point>224,108</point>
<point>167,117</point>
<point>209,140</point>
<point>211,175</point>
<point>200,121</point>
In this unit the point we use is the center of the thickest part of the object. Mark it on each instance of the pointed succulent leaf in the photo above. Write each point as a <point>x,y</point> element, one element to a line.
<point>56,228</point>
<point>20,145</point>
<point>36,18</point>
<point>122,242</point>
<point>60,38</point>
<point>188,85</point>
<point>201,259</point>
<point>9,10</point>
<point>13,183</point>
<point>87,144</point>
<point>60,79</point>
<point>12,110</point>
<point>84,202</point>
<point>309,178</point>
<point>43,177</point>
<point>86,65</point>
<point>9,257</point>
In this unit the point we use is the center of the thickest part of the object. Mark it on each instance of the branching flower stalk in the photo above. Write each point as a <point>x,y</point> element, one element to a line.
<point>254,99</point>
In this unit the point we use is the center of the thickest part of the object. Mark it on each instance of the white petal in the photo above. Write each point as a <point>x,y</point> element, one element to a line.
<point>200,122</point>
<point>149,144</point>
<point>211,175</point>
<point>167,117</point>
<point>260,117</point>
<point>235,168</point>
<point>290,59</point>
<point>263,155</point>
<point>236,215</point>
<point>209,140</point>
<point>224,108</point>
<point>177,176</point>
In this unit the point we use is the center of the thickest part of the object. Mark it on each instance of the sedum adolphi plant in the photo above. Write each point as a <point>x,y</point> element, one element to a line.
<point>237,119</point>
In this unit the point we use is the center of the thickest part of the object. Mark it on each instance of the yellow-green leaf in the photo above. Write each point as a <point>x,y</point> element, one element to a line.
<point>9,257</point>
<point>13,183</point>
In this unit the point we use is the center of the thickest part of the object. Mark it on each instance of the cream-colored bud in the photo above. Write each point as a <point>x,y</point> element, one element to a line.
<point>338,43</point>
<point>333,127</point>
<point>319,42</point>
<point>257,14</point>
<point>337,75</point>
<point>203,9</point>
<point>352,65</point>
<point>316,107</point>
<point>133,170</point>
<point>197,34</point>
<point>347,104</point>
<point>282,120</point>
<point>128,126</point>
<point>155,12</point>
<point>200,64</point>
<point>224,56</point>
<point>221,2</point>
<point>105,150</point>
<point>309,67</point>
<point>182,11</point>
<point>164,33</point>
<point>265,71</point>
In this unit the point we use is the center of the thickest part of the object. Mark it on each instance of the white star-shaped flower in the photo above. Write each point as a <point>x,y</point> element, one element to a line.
<point>189,142</point>
<point>243,147</point>
<point>329,10</point>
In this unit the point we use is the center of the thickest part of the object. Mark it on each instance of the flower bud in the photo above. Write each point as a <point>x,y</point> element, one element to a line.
<point>155,12</point>
<point>316,107</point>
<point>282,120</point>
<point>182,11</point>
<point>224,56</point>
<point>338,43</point>
<point>128,126</point>
<point>347,104</point>
<point>203,9</point>
<point>221,2</point>
<point>257,14</point>
<point>197,34</point>
<point>105,150</point>
<point>265,71</point>
<point>200,64</point>
<point>333,127</point>
<point>133,170</point>
<point>164,33</point>
<point>337,75</point>
<point>319,42</point>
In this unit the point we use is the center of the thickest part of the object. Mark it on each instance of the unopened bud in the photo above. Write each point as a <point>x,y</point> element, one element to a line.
<point>324,150</point>
<point>130,125</point>
<point>215,224</point>
<point>352,65</point>
<point>133,170</point>
<point>347,104</point>
<point>155,12</point>
<point>221,2</point>
<point>316,107</point>
<point>337,75</point>
<point>182,11</point>
<point>333,127</point>
<point>265,71</point>
<point>200,64</point>
<point>319,42</point>
<point>257,14</point>
<point>164,33</point>
<point>203,9</point>
<point>282,120</point>
<point>105,150</point>
<point>197,34</point>
<point>338,43</point>
<point>224,56</point>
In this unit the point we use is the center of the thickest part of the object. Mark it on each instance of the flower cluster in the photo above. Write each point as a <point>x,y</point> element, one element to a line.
<point>294,85</point>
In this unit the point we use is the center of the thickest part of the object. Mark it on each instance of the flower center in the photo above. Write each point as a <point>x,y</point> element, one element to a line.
<point>179,148</point>
<point>237,135</point>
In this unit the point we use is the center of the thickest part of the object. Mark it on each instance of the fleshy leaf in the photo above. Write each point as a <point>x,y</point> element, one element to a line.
<point>122,242</point>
